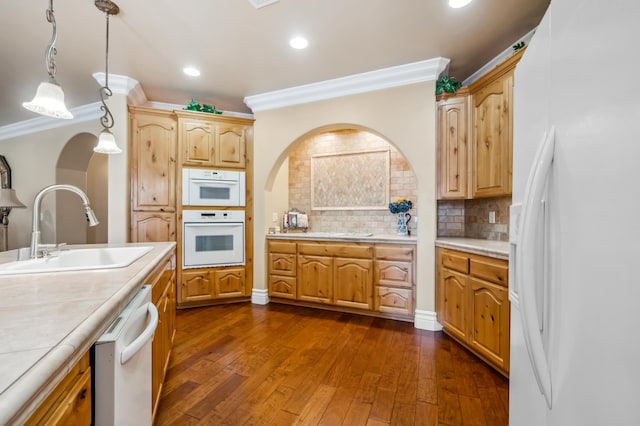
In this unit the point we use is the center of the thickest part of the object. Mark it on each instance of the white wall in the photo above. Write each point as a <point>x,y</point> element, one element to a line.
<point>405,116</point>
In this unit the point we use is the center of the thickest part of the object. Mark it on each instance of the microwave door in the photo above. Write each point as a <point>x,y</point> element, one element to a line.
<point>210,192</point>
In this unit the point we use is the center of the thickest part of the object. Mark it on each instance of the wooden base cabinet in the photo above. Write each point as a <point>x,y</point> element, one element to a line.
<point>472,304</point>
<point>282,269</point>
<point>163,296</point>
<point>201,286</point>
<point>355,277</point>
<point>70,401</point>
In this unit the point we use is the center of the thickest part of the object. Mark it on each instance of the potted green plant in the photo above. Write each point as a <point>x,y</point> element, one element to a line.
<point>447,84</point>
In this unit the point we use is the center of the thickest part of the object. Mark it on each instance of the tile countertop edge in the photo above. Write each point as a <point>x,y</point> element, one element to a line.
<point>495,249</point>
<point>375,238</point>
<point>21,399</point>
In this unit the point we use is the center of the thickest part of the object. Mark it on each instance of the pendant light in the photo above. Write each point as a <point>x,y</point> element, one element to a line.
<point>106,140</point>
<point>49,98</point>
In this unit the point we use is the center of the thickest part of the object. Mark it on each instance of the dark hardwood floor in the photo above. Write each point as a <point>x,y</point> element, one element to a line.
<point>244,364</point>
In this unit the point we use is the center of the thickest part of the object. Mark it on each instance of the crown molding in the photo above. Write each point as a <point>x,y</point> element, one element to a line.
<point>38,124</point>
<point>123,85</point>
<point>385,78</point>
<point>120,84</point>
<point>502,56</point>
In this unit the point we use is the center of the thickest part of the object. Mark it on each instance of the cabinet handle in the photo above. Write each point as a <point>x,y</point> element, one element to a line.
<point>83,394</point>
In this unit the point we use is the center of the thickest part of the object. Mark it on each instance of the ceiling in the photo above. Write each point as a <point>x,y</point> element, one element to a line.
<point>240,50</point>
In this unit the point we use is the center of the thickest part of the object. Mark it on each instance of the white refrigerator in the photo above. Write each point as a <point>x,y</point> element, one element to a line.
<point>575,219</point>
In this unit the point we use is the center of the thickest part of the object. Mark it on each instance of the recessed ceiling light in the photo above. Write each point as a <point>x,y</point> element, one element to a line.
<point>191,71</point>
<point>298,42</point>
<point>456,4</point>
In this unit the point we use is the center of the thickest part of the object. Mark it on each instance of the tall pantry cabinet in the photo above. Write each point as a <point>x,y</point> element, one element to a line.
<point>153,141</point>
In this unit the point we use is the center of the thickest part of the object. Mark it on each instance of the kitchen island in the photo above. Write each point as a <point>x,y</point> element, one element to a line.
<point>48,322</point>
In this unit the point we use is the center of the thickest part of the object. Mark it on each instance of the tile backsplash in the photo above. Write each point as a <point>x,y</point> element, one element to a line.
<point>470,218</point>
<point>402,182</point>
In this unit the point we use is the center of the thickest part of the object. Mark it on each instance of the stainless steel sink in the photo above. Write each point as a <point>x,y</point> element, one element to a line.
<point>80,259</point>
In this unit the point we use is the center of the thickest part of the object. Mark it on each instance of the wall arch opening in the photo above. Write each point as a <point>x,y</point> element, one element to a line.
<point>78,165</point>
<point>293,181</point>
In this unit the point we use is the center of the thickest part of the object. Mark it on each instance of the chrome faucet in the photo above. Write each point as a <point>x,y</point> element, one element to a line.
<point>35,249</point>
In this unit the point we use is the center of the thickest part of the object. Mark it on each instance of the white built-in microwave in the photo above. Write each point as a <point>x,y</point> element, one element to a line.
<point>217,188</point>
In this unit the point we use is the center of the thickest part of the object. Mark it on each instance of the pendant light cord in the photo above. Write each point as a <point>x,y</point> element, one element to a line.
<point>49,54</point>
<point>107,119</point>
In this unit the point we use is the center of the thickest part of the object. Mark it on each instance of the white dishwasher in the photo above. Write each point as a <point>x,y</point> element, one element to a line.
<point>123,365</point>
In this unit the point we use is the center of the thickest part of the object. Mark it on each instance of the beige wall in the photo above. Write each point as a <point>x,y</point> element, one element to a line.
<point>405,116</point>
<point>33,160</point>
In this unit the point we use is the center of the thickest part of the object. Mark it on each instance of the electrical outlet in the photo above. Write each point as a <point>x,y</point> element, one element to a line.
<point>492,217</point>
<point>274,216</point>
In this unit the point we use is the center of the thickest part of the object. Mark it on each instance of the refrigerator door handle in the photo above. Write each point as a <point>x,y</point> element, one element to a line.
<point>526,263</point>
<point>147,334</point>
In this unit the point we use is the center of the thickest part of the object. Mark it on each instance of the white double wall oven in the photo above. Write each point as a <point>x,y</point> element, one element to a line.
<point>212,236</point>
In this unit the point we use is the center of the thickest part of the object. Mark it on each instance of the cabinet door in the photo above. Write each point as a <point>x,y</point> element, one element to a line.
<point>153,164</point>
<point>315,279</point>
<point>452,302</point>
<point>492,137</point>
<point>489,322</point>
<point>229,282</point>
<point>153,227</point>
<point>353,282</point>
<point>196,286</point>
<point>453,149</point>
<point>230,151</point>
<point>197,141</point>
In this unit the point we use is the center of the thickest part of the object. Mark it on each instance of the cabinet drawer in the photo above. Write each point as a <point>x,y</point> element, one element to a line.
<point>282,264</point>
<point>393,273</point>
<point>455,261</point>
<point>357,251</point>
<point>280,286</point>
<point>395,253</point>
<point>495,272</point>
<point>394,300</point>
<point>282,247</point>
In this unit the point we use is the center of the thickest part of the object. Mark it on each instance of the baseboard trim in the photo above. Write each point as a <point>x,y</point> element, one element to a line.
<point>259,296</point>
<point>426,320</point>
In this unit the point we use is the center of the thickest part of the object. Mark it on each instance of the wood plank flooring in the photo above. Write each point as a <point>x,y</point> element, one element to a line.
<point>244,364</point>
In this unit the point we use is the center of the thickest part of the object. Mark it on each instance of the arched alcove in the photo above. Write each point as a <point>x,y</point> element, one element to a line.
<point>343,176</point>
<point>78,165</point>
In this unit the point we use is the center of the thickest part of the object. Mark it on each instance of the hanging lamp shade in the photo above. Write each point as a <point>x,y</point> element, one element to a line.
<point>107,143</point>
<point>49,101</point>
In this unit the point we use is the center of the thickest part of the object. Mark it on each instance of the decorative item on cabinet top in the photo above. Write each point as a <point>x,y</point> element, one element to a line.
<point>195,106</point>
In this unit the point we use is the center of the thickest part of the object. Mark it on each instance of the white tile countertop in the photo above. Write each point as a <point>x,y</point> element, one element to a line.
<point>49,320</point>
<point>497,249</point>
<point>345,236</point>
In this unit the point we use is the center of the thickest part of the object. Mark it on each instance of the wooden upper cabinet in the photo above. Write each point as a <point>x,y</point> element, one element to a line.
<point>197,139</point>
<point>213,140</point>
<point>231,146</point>
<point>492,133</point>
<point>453,158</point>
<point>491,149</point>
<point>153,160</point>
